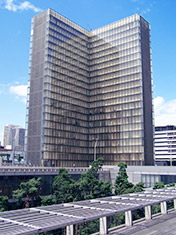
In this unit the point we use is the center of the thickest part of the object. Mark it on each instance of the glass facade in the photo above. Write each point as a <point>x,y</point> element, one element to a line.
<point>87,93</point>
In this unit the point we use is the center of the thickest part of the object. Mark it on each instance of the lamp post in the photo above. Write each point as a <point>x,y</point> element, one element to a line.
<point>95,146</point>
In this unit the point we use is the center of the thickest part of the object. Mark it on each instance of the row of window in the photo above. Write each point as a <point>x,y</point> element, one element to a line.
<point>113,79</point>
<point>128,87</point>
<point>101,44</point>
<point>120,63</point>
<point>133,103</point>
<point>102,119</point>
<point>117,99</point>
<point>65,106</point>
<point>66,95</point>
<point>58,145</point>
<point>112,66</point>
<point>121,92</point>
<point>62,35</point>
<point>66,99</point>
<point>65,72</point>
<point>115,35</point>
<point>66,116</point>
<point>113,51</point>
<point>57,51</point>
<point>69,45</point>
<point>65,81</point>
<point>60,20</point>
<point>67,67</point>
<point>62,58</point>
<point>116,57</point>
<point>107,46</point>
<point>104,72</point>
<point>118,26</point>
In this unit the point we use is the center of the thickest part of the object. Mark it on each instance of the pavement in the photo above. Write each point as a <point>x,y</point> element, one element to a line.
<point>160,225</point>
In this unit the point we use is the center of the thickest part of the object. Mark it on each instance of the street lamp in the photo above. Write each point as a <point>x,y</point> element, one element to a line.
<point>95,146</point>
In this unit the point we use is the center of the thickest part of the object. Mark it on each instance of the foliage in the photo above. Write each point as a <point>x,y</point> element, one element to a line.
<point>156,209</point>
<point>116,220</point>
<point>158,185</point>
<point>63,187</point>
<point>138,214</point>
<point>8,157</point>
<point>170,185</point>
<point>30,192</point>
<point>122,185</point>
<point>138,187</point>
<point>47,200</point>
<point>3,203</point>
<point>19,158</point>
<point>90,186</point>
<point>88,227</point>
<point>170,204</point>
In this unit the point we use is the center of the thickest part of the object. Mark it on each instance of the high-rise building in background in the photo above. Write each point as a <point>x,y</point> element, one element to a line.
<point>90,93</point>
<point>165,145</point>
<point>14,136</point>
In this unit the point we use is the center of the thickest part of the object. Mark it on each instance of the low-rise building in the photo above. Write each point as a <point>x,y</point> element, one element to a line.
<point>165,145</point>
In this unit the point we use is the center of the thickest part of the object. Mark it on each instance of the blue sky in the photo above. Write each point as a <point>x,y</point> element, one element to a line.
<point>15,18</point>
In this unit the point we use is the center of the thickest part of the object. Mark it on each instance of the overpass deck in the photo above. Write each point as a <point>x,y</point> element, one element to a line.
<point>48,218</point>
<point>160,225</point>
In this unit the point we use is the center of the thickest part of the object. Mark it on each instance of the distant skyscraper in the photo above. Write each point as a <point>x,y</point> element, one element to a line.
<point>14,136</point>
<point>90,92</point>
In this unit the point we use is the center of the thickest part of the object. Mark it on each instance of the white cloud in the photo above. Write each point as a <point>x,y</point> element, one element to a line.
<point>12,6</point>
<point>143,12</point>
<point>1,137</point>
<point>138,1</point>
<point>20,91</point>
<point>144,6</point>
<point>164,111</point>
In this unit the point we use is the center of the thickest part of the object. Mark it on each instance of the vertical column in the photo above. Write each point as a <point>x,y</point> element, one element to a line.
<point>148,212</point>
<point>70,230</point>
<point>103,226</point>
<point>163,207</point>
<point>175,204</point>
<point>128,218</point>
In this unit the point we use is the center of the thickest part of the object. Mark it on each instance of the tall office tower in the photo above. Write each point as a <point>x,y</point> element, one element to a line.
<point>14,136</point>
<point>19,139</point>
<point>165,145</point>
<point>90,93</point>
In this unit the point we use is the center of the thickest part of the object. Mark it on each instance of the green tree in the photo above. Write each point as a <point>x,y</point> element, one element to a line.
<point>170,185</point>
<point>8,158</point>
<point>63,186</point>
<point>138,187</point>
<point>3,203</point>
<point>47,200</point>
<point>90,186</point>
<point>122,185</point>
<point>158,185</point>
<point>19,158</point>
<point>29,191</point>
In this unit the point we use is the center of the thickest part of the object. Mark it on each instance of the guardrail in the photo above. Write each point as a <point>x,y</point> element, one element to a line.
<point>39,170</point>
